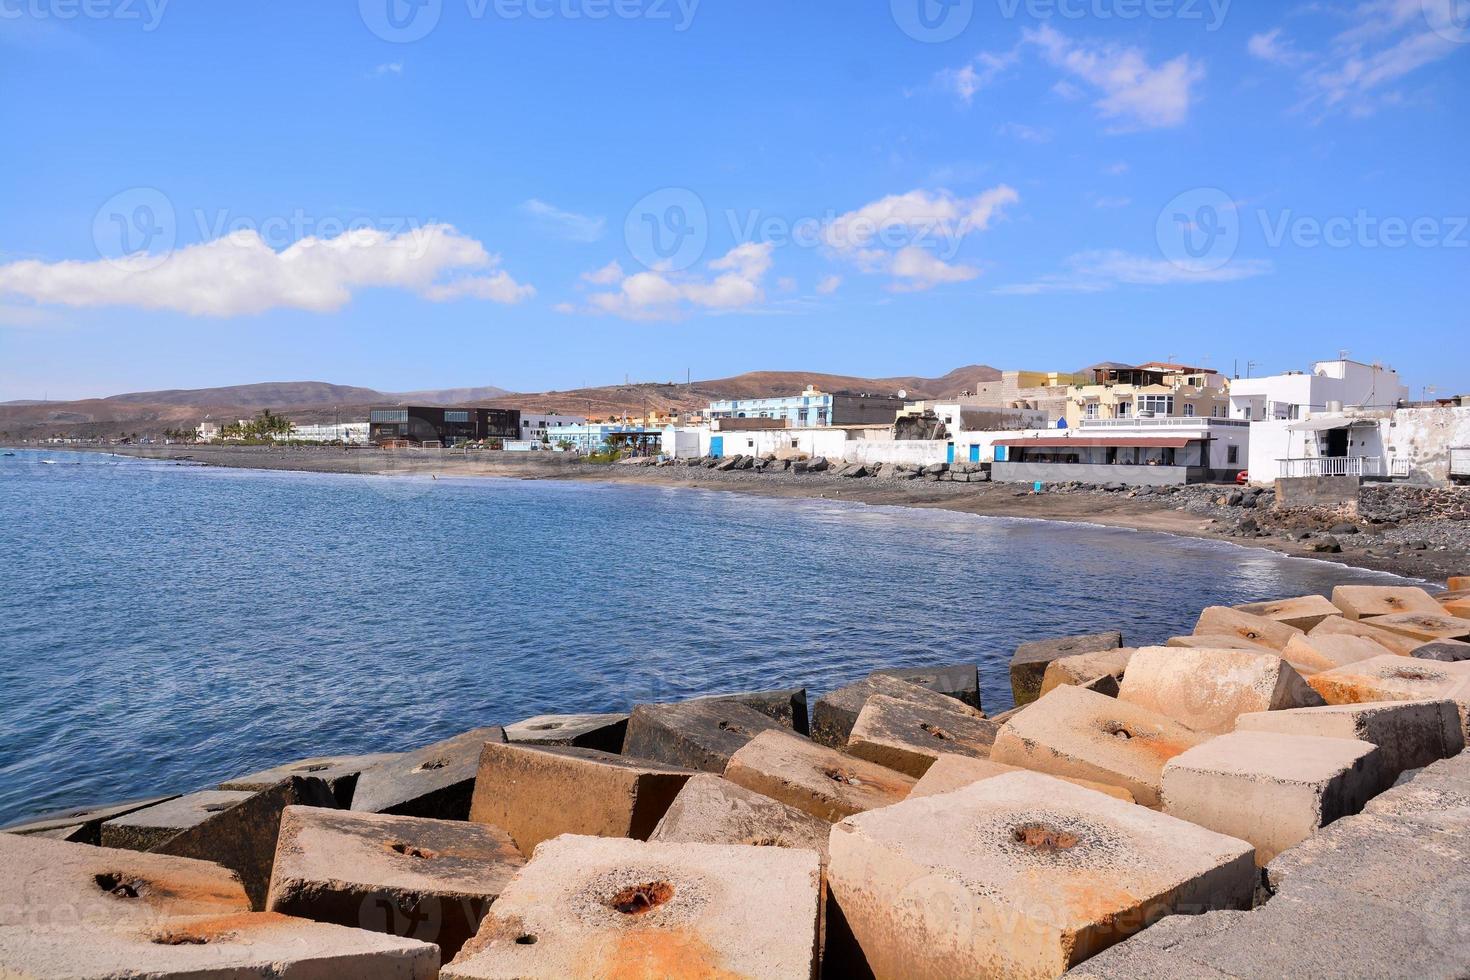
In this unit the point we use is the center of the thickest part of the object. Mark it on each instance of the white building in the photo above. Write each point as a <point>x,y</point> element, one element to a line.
<point>1289,418</point>
<point>351,433</point>
<point>1137,452</point>
<point>542,428</point>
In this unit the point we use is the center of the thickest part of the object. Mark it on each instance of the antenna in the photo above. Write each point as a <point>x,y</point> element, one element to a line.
<point>1250,366</point>
<point>1342,353</point>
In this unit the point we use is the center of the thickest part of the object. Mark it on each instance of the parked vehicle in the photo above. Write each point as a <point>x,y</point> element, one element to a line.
<point>1460,464</point>
<point>1242,478</point>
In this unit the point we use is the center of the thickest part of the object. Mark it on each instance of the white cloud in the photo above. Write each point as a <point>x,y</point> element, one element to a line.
<point>240,274</point>
<point>914,237</point>
<point>608,275</point>
<point>1134,93</point>
<point>1024,133</point>
<point>786,284</point>
<point>391,68</point>
<point>1270,47</point>
<point>1104,270</point>
<point>829,285</point>
<point>565,224</point>
<point>975,75</point>
<point>665,295</point>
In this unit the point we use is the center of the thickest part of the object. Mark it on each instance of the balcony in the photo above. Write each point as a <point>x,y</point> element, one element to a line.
<point>1333,466</point>
<point>1160,421</point>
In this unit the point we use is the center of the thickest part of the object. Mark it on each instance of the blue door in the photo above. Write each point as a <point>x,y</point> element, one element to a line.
<point>717,447</point>
<point>974,454</point>
<point>950,455</point>
<point>1000,454</point>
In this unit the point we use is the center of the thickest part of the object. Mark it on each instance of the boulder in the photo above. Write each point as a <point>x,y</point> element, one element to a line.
<point>435,781</point>
<point>909,738</point>
<point>1443,652</point>
<point>1368,601</point>
<point>1425,627</point>
<point>145,828</point>
<point>592,907</point>
<point>701,734</point>
<point>602,732</point>
<point>1270,789</point>
<point>818,464</point>
<point>786,705</point>
<point>1029,662</point>
<point>1302,613</point>
<point>1391,642</point>
<point>339,772</point>
<point>1224,621</point>
<point>813,778</point>
<point>430,880</point>
<point>535,793</point>
<point>1048,874</point>
<point>834,714</point>
<point>1099,671</point>
<point>243,944</point>
<point>1086,735</point>
<point>713,810</point>
<point>1394,678</point>
<point>243,837</point>
<point>1206,690</point>
<point>55,886</point>
<point>79,825</point>
<point>959,681</point>
<point>1329,650</point>
<point>1409,734</point>
<point>952,772</point>
<point>1216,641</point>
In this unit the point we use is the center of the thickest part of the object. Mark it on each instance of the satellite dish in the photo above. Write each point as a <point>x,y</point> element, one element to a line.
<point>903,393</point>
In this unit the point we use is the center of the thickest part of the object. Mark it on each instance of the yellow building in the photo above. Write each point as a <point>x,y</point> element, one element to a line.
<point>1152,390</point>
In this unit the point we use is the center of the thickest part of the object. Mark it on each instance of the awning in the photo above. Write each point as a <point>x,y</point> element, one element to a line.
<point>1326,424</point>
<point>1113,442</point>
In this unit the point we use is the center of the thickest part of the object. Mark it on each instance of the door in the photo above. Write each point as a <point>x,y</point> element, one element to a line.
<point>717,447</point>
<point>974,454</point>
<point>949,455</point>
<point>1337,442</point>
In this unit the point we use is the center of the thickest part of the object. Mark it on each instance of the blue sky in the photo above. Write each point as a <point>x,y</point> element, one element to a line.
<point>551,193</point>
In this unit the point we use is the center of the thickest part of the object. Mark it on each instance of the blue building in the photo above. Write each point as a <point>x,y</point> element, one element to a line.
<point>592,437</point>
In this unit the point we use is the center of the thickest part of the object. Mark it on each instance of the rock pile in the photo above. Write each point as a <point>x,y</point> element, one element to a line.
<point>1285,784</point>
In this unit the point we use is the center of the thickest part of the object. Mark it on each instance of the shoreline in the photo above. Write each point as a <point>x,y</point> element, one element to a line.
<point>1154,512</point>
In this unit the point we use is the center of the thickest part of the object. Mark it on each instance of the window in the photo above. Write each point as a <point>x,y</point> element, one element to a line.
<point>456,416</point>
<point>1090,410</point>
<point>389,415</point>
<point>1232,455</point>
<point>1188,411</point>
<point>1158,404</point>
<point>1124,410</point>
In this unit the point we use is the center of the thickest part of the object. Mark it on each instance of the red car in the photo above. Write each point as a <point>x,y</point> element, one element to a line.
<point>1242,478</point>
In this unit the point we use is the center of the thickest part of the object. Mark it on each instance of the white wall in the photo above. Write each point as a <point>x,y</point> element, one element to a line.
<point>1425,436</point>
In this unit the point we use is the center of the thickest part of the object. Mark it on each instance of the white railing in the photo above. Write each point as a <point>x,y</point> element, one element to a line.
<point>1332,466</point>
<point>1399,468</point>
<point>1160,421</point>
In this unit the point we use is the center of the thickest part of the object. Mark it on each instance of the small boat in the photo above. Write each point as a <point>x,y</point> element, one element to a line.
<point>48,462</point>
<point>10,454</point>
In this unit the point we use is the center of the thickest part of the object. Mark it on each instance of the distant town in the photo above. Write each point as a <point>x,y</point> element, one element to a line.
<point>1146,424</point>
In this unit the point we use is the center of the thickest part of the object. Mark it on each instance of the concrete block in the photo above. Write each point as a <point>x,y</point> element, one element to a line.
<point>1224,621</point>
<point>538,792</point>
<point>602,732</point>
<point>591,907</point>
<point>1409,734</point>
<point>1020,876</point>
<point>1270,789</point>
<point>1072,732</point>
<point>1369,856</point>
<point>834,714</point>
<point>435,781</point>
<point>1367,601</point>
<point>1459,608</point>
<point>1101,671</point>
<point>952,772</point>
<point>1390,641</point>
<point>908,738</point>
<point>243,837</point>
<point>339,772</point>
<point>1206,690</point>
<point>1155,953</point>
<point>713,810</point>
<point>702,734</point>
<point>1393,678</point>
<point>1457,582</point>
<point>1426,627</point>
<point>1436,797</point>
<point>1443,652</point>
<point>56,885</point>
<point>430,880</point>
<point>813,778</point>
<point>786,705</point>
<point>80,825</point>
<point>1301,613</point>
<point>1029,662</point>
<point>1329,650</point>
<point>145,829</point>
<point>959,681</point>
<point>245,944</point>
<point>1215,641</point>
